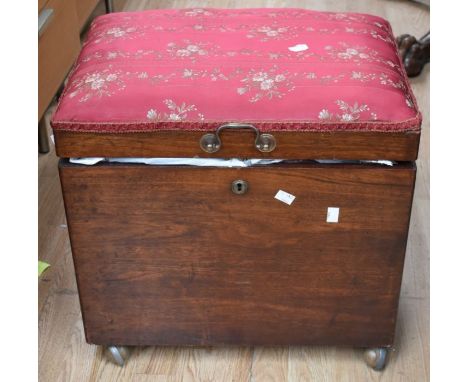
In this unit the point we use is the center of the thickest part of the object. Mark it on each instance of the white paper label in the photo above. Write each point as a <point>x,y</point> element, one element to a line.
<point>298,48</point>
<point>285,197</point>
<point>333,214</point>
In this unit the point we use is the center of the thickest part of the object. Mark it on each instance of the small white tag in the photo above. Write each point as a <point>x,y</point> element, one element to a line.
<point>333,214</point>
<point>284,197</point>
<point>298,48</point>
<point>52,138</point>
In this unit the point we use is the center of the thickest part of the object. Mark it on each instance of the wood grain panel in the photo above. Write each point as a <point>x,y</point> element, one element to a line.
<point>41,4</point>
<point>170,256</point>
<point>84,8</point>
<point>290,145</point>
<point>59,45</point>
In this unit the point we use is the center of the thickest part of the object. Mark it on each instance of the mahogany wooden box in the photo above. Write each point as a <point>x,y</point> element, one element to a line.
<point>187,255</point>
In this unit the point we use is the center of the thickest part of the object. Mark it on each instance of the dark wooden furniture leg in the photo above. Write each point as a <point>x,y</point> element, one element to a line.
<point>109,6</point>
<point>414,53</point>
<point>43,137</point>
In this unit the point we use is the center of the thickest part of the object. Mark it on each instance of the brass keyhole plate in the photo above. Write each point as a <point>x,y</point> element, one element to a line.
<point>239,186</point>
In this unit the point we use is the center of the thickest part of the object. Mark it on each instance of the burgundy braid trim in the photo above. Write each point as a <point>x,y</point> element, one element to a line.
<point>413,124</point>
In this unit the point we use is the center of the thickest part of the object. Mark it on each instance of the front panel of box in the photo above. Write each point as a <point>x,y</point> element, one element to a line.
<point>180,255</point>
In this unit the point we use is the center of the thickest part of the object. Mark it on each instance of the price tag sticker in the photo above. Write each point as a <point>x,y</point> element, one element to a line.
<point>285,197</point>
<point>333,214</point>
<point>298,48</point>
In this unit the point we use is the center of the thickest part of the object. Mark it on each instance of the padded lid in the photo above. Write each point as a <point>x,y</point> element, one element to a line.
<point>285,70</point>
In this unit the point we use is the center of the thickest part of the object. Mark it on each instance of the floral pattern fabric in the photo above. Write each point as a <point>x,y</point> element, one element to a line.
<point>309,70</point>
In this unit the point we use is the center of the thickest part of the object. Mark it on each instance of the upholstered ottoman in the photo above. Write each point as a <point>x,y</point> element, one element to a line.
<point>252,181</point>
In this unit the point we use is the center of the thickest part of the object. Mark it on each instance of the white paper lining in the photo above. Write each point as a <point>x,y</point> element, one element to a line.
<point>209,162</point>
<point>334,161</point>
<point>201,162</point>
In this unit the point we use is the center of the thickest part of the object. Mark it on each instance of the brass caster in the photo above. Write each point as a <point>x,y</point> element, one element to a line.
<point>376,358</point>
<point>117,354</point>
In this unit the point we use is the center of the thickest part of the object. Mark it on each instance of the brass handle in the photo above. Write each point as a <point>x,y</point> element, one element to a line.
<point>44,19</point>
<point>211,143</point>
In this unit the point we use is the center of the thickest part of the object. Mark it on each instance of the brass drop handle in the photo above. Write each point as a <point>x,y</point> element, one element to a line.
<point>211,143</point>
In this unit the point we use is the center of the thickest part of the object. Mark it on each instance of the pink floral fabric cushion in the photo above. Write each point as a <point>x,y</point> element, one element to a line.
<point>282,69</point>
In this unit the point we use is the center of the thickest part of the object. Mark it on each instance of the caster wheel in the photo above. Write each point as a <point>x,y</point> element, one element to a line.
<point>376,358</point>
<point>117,354</point>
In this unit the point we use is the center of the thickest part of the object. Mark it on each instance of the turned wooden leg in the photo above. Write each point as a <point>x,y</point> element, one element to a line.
<point>109,6</point>
<point>43,137</point>
<point>414,53</point>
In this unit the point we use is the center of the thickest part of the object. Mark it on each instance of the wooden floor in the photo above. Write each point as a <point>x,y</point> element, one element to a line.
<point>65,356</point>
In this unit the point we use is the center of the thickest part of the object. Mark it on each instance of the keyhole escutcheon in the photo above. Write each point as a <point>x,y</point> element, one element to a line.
<point>239,186</point>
